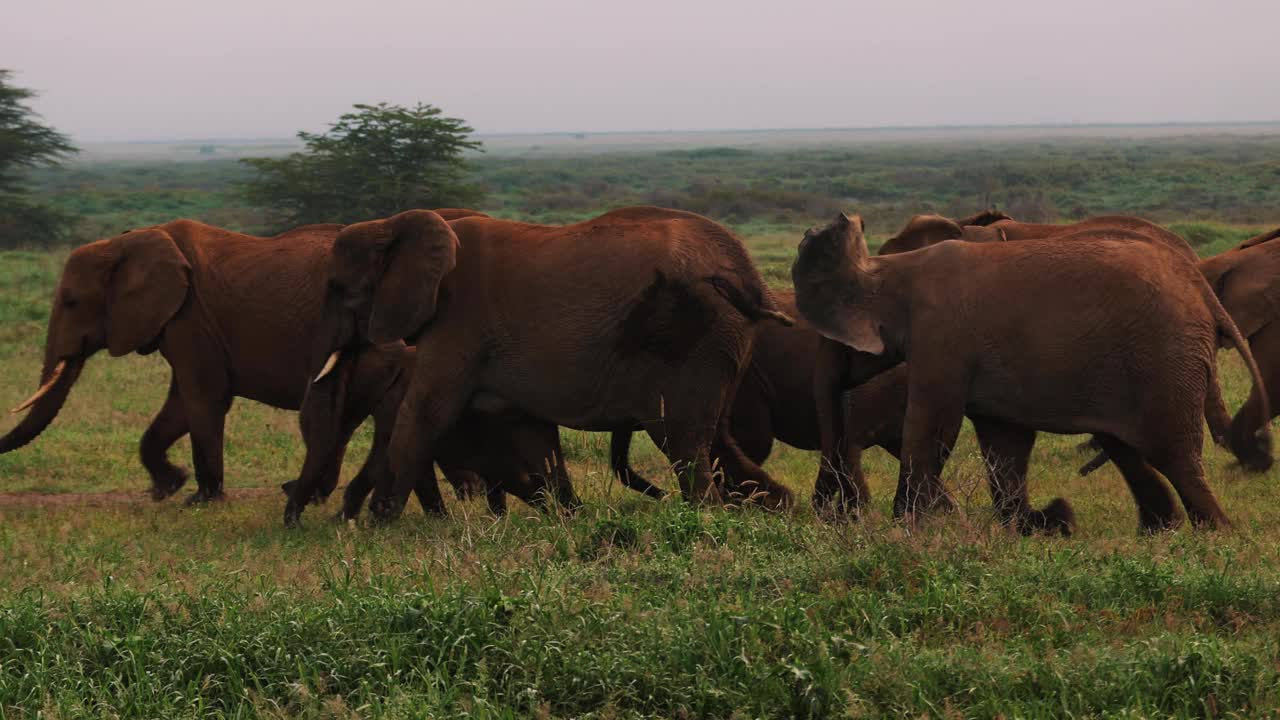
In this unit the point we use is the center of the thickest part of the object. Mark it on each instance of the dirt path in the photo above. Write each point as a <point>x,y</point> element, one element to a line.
<point>119,497</point>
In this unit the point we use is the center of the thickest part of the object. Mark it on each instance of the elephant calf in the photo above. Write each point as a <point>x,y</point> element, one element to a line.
<point>777,400</point>
<point>508,452</point>
<point>1105,334</point>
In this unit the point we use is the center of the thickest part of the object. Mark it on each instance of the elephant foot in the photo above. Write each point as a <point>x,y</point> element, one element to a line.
<point>913,504</point>
<point>1151,524</point>
<point>202,496</point>
<point>1056,518</point>
<point>385,510</point>
<point>940,503</point>
<point>835,506</point>
<point>167,482</point>
<point>292,514</point>
<point>1252,449</point>
<point>635,481</point>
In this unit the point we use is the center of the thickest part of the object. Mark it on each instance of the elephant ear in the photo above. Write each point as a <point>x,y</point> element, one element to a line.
<point>420,251</point>
<point>1249,292</point>
<point>148,286</point>
<point>862,333</point>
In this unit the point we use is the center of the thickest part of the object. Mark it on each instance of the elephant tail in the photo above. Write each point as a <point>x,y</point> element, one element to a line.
<point>751,302</point>
<point>1258,456</point>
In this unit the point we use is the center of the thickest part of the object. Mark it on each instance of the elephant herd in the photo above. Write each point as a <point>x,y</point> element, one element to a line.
<point>470,340</point>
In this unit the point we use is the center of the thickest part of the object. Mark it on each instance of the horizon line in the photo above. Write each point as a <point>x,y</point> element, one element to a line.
<point>714,131</point>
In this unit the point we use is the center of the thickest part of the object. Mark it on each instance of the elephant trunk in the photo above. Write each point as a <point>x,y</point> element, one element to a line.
<point>56,385</point>
<point>58,373</point>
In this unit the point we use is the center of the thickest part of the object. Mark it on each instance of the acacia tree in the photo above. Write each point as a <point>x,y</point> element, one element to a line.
<point>374,162</point>
<point>26,143</point>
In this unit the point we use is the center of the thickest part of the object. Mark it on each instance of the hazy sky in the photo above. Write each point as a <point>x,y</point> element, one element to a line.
<point>170,69</point>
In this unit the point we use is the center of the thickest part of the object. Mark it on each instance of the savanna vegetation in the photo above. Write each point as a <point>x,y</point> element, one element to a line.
<point>1231,179</point>
<point>111,605</point>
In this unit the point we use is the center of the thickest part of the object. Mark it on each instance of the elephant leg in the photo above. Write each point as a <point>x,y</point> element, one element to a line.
<point>169,425</point>
<point>1156,508</point>
<point>744,478</point>
<point>1006,450</point>
<point>620,462</point>
<point>834,478</point>
<point>536,445</point>
<point>1183,468</point>
<point>1265,347</point>
<point>208,426</point>
<point>435,399</point>
<point>495,496</point>
<point>935,411</point>
<point>690,454</point>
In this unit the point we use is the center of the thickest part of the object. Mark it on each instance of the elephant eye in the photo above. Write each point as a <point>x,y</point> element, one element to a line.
<point>70,302</point>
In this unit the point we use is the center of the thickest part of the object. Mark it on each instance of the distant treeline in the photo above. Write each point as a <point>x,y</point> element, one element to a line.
<point>1231,179</point>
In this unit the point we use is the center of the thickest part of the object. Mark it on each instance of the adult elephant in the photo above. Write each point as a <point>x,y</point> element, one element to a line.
<point>1247,279</point>
<point>642,316</point>
<point>232,314</point>
<point>926,230</point>
<point>776,401</point>
<point>996,331</point>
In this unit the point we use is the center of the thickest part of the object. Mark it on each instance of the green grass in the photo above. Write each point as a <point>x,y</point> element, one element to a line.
<point>631,608</point>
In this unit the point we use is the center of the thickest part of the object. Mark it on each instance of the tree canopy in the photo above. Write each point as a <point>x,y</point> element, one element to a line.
<point>26,143</point>
<point>376,161</point>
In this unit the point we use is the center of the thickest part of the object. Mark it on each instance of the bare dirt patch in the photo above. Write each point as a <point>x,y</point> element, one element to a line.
<point>97,499</point>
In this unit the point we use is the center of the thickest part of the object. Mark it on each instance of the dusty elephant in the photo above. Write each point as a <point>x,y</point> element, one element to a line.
<point>641,316</point>
<point>232,314</point>
<point>776,401</point>
<point>959,314</point>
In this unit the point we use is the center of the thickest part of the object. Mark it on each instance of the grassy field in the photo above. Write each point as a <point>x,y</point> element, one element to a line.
<point>114,606</point>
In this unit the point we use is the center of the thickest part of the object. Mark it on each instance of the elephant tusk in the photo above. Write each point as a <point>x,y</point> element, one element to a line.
<point>328,366</point>
<point>57,373</point>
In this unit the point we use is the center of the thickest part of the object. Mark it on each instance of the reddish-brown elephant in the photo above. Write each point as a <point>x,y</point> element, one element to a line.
<point>641,316</point>
<point>1120,342</point>
<point>1247,279</point>
<point>925,230</point>
<point>232,314</point>
<point>776,401</point>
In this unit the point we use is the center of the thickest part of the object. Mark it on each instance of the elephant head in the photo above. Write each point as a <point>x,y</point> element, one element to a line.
<point>838,286</point>
<point>116,294</point>
<point>384,282</point>
<point>1245,280</point>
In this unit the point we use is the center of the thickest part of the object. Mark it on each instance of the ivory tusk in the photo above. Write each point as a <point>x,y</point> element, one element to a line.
<point>57,373</point>
<point>328,366</point>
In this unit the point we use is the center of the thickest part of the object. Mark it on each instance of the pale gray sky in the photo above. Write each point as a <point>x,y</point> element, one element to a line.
<point>172,69</point>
